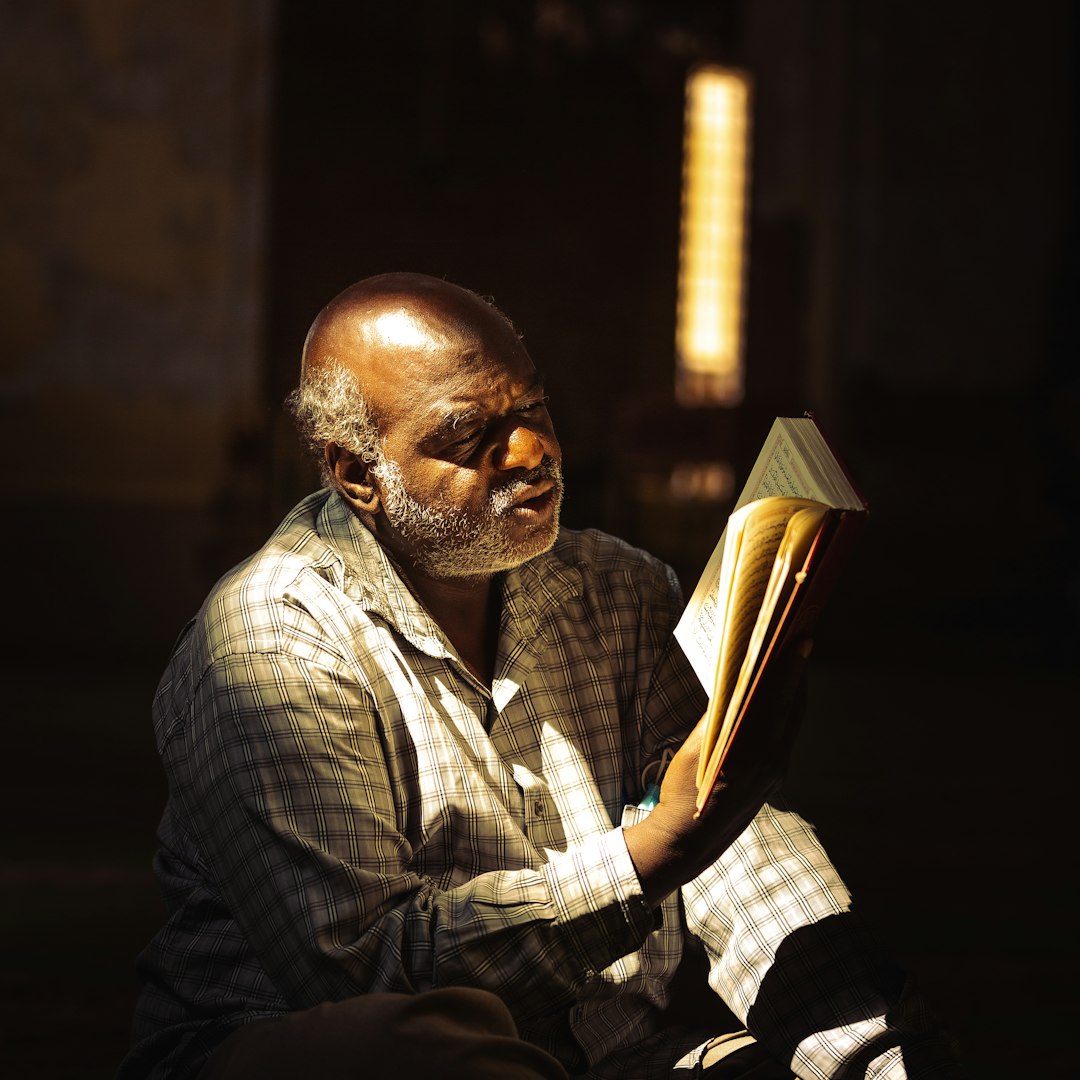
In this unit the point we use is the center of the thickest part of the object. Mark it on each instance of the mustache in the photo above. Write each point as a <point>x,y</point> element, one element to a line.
<point>502,498</point>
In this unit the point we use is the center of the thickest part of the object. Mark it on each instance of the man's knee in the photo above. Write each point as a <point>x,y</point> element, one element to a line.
<point>454,1031</point>
<point>457,1008</point>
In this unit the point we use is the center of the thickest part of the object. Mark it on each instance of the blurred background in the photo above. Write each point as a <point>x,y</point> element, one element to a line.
<point>184,186</point>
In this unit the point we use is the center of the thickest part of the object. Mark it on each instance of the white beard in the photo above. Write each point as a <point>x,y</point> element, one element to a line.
<point>453,543</point>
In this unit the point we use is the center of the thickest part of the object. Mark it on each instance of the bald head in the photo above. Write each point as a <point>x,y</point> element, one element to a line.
<point>380,340</point>
<point>406,316</point>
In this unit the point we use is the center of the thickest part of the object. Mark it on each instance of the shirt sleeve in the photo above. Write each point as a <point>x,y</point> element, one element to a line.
<point>793,962</point>
<point>284,779</point>
<point>786,954</point>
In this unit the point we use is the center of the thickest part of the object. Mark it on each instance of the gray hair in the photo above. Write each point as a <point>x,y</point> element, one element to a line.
<point>326,407</point>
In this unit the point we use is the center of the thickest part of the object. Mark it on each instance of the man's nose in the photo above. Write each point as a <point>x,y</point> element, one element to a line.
<point>524,449</point>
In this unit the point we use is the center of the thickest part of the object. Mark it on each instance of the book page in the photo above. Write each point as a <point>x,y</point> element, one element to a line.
<point>785,466</point>
<point>772,534</point>
<point>762,534</point>
<point>799,538</point>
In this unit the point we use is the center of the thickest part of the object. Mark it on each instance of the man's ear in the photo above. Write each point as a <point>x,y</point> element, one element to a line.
<point>352,478</point>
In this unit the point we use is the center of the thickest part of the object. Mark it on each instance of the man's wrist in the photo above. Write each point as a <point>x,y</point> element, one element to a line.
<point>658,856</point>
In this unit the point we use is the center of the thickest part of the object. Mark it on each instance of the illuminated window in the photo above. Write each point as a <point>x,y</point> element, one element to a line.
<point>709,319</point>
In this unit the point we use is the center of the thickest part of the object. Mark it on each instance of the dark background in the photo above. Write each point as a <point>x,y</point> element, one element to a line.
<point>185,185</point>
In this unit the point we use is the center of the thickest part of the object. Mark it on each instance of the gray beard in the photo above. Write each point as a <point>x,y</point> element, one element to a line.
<point>453,543</point>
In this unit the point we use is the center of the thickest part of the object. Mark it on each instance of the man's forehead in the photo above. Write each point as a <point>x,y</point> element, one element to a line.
<point>444,408</point>
<point>494,393</point>
<point>433,355</point>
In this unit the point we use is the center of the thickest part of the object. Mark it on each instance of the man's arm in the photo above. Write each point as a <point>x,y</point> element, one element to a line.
<point>801,970</point>
<point>282,775</point>
<point>675,842</point>
<point>758,890</point>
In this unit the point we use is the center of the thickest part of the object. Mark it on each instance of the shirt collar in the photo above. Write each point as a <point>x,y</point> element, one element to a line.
<point>371,580</point>
<point>529,593</point>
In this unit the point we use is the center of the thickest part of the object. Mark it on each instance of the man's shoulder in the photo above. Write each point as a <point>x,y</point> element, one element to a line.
<point>254,605</point>
<point>604,583</point>
<point>602,559</point>
<point>294,545</point>
<point>601,551</point>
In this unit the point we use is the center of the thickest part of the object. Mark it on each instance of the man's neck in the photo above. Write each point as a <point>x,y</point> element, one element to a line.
<point>467,611</point>
<point>465,608</point>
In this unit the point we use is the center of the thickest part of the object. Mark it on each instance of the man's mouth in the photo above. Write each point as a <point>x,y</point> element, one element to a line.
<point>534,496</point>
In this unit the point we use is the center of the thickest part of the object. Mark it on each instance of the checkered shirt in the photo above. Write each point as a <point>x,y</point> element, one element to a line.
<point>351,811</point>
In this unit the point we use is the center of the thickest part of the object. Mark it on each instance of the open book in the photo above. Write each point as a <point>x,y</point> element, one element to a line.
<point>768,577</point>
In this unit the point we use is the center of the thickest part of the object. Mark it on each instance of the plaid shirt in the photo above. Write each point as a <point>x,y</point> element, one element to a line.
<point>350,810</point>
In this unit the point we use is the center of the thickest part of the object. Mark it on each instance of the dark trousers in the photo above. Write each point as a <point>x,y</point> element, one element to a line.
<point>455,1032</point>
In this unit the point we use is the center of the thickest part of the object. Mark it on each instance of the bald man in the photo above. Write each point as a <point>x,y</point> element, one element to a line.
<point>406,744</point>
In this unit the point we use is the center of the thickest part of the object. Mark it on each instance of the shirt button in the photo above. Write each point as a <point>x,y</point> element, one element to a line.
<point>538,808</point>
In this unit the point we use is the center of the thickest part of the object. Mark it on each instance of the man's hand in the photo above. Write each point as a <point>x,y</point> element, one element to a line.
<point>675,843</point>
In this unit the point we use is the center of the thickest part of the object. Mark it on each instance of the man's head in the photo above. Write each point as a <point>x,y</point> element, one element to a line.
<point>427,415</point>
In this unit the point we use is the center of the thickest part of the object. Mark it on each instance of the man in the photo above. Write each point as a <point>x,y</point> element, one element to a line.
<point>405,742</point>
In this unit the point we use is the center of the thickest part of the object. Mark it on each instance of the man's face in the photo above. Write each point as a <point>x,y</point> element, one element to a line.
<point>470,481</point>
<point>452,542</point>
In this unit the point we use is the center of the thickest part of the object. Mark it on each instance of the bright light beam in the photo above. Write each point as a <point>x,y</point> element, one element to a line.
<point>712,250</point>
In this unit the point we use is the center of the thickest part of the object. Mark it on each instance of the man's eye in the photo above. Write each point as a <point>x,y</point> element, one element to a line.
<point>465,441</point>
<point>533,406</point>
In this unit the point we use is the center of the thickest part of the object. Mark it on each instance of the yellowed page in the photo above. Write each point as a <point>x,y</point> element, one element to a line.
<point>756,532</point>
<point>798,537</point>
<point>795,461</point>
